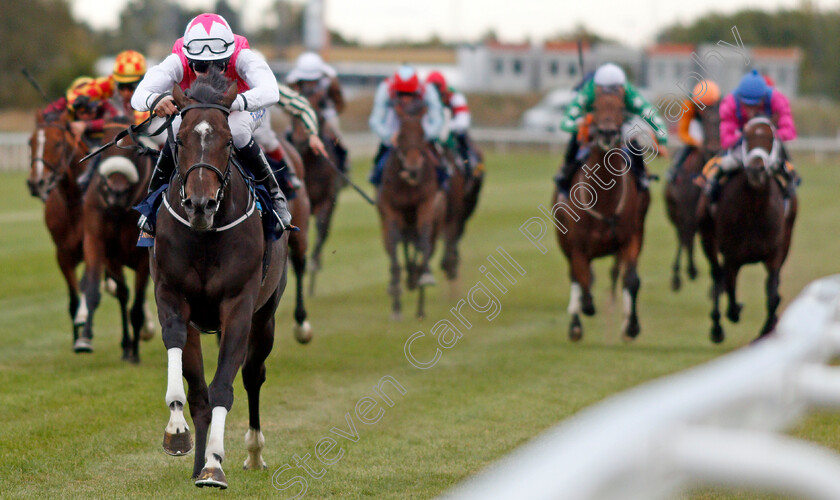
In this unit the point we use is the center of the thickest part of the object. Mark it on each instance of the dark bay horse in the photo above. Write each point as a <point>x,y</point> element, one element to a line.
<point>611,221</point>
<point>110,239</point>
<point>411,207</point>
<point>54,169</point>
<point>322,181</point>
<point>751,223</point>
<point>213,271</point>
<point>461,200</point>
<point>682,194</point>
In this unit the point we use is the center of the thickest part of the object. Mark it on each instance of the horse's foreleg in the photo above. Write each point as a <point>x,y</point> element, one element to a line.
<point>94,262</point>
<point>68,269</point>
<point>630,256</point>
<point>676,283</point>
<point>253,376</point>
<point>323,216</point>
<point>236,315</point>
<point>122,295</point>
<point>706,225</point>
<point>139,308</point>
<point>173,314</point>
<point>391,237</point>
<point>426,242</point>
<point>773,299</point>
<point>691,268</point>
<point>297,254</point>
<point>730,273</point>
<point>581,277</point>
<point>199,401</point>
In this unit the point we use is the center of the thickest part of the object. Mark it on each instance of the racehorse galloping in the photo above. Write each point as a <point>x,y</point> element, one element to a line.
<point>110,237</point>
<point>213,271</point>
<point>410,205</point>
<point>751,223</point>
<point>322,181</point>
<point>461,200</point>
<point>614,223</point>
<point>682,194</point>
<point>54,168</point>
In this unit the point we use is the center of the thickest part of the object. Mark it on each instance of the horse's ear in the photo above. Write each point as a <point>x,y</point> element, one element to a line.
<point>179,96</point>
<point>39,117</point>
<point>230,95</point>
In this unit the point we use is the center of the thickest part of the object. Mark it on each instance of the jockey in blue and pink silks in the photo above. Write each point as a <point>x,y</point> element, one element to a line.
<point>208,41</point>
<point>752,98</point>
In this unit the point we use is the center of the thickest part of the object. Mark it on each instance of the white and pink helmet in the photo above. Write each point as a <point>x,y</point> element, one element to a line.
<point>208,37</point>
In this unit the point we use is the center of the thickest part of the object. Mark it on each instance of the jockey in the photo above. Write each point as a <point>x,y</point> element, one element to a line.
<point>311,68</point>
<point>706,93</point>
<point>459,122</point>
<point>129,69</point>
<point>86,107</point>
<point>608,75</point>
<point>208,41</point>
<point>385,124</point>
<point>297,106</point>
<point>753,97</point>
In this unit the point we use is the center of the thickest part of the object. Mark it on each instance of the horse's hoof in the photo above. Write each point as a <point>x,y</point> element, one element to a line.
<point>147,333</point>
<point>131,358</point>
<point>83,344</point>
<point>692,273</point>
<point>111,287</point>
<point>575,329</point>
<point>734,312</point>
<point>303,333</point>
<point>179,444</point>
<point>717,334</point>
<point>588,309</point>
<point>249,465</point>
<point>631,331</point>
<point>427,279</point>
<point>396,316</point>
<point>676,283</point>
<point>213,477</point>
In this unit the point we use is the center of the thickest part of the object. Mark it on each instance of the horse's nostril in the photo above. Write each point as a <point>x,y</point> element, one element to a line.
<point>211,205</point>
<point>41,182</point>
<point>188,204</point>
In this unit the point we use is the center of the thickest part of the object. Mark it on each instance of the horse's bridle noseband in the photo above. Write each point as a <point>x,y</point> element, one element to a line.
<point>224,178</point>
<point>56,174</point>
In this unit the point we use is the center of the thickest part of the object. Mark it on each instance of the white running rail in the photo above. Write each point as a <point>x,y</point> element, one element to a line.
<point>716,424</point>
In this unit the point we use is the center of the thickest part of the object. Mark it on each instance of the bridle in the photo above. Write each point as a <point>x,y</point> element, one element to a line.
<point>224,177</point>
<point>57,172</point>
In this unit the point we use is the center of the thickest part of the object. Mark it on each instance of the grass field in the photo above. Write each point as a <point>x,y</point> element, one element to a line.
<point>85,426</point>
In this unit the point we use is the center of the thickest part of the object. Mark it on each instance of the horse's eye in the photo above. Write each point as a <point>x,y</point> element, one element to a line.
<point>178,141</point>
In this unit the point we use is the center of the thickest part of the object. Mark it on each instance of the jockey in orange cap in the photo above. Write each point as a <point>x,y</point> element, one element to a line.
<point>383,119</point>
<point>706,94</point>
<point>459,122</point>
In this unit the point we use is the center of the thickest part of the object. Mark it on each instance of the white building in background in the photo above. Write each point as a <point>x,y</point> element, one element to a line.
<point>659,69</point>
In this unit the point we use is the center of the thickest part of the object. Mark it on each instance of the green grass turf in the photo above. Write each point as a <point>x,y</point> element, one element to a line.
<point>87,426</point>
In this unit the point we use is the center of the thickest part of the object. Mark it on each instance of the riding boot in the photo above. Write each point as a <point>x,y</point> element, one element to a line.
<point>378,164</point>
<point>712,188</point>
<point>341,154</point>
<point>288,176</point>
<point>463,147</point>
<point>570,166</point>
<point>253,159</point>
<point>679,159</point>
<point>160,175</point>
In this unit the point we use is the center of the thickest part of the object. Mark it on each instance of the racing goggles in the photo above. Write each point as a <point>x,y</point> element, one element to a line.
<point>213,45</point>
<point>204,66</point>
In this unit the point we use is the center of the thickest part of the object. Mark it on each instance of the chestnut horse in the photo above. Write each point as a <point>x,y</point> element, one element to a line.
<point>213,271</point>
<point>607,218</point>
<point>682,194</point>
<point>411,207</point>
<point>750,223</point>
<point>54,169</point>
<point>461,200</point>
<point>110,238</point>
<point>322,181</point>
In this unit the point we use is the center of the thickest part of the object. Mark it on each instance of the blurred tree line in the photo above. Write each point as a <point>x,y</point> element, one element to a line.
<point>816,32</point>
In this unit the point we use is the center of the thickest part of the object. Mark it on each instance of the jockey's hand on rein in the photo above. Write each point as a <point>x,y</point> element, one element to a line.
<point>78,128</point>
<point>166,107</point>
<point>316,145</point>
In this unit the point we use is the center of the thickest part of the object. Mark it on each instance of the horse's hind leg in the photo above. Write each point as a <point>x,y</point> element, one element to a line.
<point>730,272</point>
<point>691,268</point>
<point>253,375</point>
<point>323,214</point>
<point>297,254</point>
<point>139,308</point>
<point>773,300</point>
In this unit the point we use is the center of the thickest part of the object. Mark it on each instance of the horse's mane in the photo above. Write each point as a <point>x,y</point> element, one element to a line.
<point>209,88</point>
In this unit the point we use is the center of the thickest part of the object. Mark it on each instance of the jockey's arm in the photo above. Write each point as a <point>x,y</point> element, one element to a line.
<point>107,112</point>
<point>461,118</point>
<point>580,105</point>
<point>256,73</point>
<point>379,115</point>
<point>783,118</point>
<point>730,131</point>
<point>638,105</point>
<point>336,95</point>
<point>684,125</point>
<point>433,120</point>
<point>294,104</point>
<point>158,79</point>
